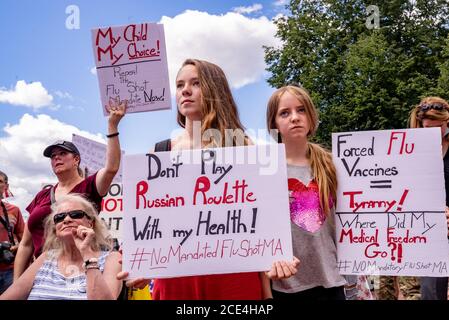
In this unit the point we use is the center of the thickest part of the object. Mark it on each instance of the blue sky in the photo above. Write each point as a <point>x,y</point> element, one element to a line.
<point>60,95</point>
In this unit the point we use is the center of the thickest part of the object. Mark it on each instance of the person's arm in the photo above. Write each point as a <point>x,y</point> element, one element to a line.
<point>99,285</point>
<point>24,254</point>
<point>138,283</point>
<point>104,286</point>
<point>113,152</point>
<point>266,286</point>
<point>20,289</point>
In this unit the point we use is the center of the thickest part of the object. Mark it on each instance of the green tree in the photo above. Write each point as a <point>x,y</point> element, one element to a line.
<point>360,78</point>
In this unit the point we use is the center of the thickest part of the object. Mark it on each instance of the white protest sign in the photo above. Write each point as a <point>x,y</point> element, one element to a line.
<point>205,212</point>
<point>390,211</point>
<point>112,211</point>
<point>93,156</point>
<point>131,64</point>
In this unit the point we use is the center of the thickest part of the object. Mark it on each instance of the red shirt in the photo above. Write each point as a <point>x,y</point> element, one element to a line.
<point>39,209</point>
<point>16,222</point>
<point>233,286</point>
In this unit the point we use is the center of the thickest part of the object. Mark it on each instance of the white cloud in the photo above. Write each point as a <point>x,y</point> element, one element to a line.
<point>21,153</point>
<point>246,10</point>
<point>63,95</point>
<point>232,41</point>
<point>32,95</point>
<point>280,2</point>
<point>93,70</point>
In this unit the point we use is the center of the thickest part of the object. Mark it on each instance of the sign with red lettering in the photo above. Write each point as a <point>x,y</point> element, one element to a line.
<point>112,211</point>
<point>211,211</point>
<point>390,216</point>
<point>93,156</point>
<point>131,64</point>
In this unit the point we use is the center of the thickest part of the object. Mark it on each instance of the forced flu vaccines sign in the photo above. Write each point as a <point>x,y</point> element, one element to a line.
<point>390,203</point>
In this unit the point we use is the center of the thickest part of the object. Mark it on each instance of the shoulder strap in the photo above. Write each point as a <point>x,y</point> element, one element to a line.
<point>164,145</point>
<point>52,195</point>
<point>6,223</point>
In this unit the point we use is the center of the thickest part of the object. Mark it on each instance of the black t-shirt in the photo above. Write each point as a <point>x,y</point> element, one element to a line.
<point>446,176</point>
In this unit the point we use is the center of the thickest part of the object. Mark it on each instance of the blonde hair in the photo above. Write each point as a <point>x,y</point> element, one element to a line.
<point>323,169</point>
<point>103,240</point>
<point>218,108</point>
<point>417,115</point>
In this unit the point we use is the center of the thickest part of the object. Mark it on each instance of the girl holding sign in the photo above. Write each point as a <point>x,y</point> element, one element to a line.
<point>434,112</point>
<point>65,160</point>
<point>312,185</point>
<point>204,98</point>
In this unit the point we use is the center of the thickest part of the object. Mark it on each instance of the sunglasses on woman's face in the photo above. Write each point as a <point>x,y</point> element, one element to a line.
<point>436,106</point>
<point>74,214</point>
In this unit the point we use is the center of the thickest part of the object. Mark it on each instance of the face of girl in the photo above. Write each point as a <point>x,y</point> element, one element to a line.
<point>428,123</point>
<point>62,160</point>
<point>64,227</point>
<point>291,118</point>
<point>188,92</point>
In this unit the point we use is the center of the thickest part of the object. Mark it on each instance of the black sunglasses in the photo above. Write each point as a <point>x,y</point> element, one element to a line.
<point>74,214</point>
<point>426,106</point>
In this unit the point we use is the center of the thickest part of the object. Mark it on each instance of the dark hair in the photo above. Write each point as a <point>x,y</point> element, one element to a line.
<point>4,176</point>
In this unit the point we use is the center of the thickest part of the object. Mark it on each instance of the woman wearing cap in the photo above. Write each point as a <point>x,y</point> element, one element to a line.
<point>65,161</point>
<point>77,262</point>
<point>434,112</point>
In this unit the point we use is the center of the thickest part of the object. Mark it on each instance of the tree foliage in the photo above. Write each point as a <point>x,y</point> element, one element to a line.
<point>361,78</point>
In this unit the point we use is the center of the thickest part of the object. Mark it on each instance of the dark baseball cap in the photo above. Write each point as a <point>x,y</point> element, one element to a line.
<point>67,145</point>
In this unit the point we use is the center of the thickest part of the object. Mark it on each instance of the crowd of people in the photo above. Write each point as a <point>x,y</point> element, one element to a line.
<point>64,251</point>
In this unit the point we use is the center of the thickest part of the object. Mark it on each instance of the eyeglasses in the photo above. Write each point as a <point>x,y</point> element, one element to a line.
<point>427,106</point>
<point>74,214</point>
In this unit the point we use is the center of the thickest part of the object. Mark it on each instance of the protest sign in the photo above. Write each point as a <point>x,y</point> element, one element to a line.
<point>390,203</point>
<point>93,156</point>
<point>209,211</point>
<point>131,64</point>
<point>112,211</point>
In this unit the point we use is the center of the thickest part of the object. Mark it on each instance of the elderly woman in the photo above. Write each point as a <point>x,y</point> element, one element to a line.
<point>77,262</point>
<point>65,162</point>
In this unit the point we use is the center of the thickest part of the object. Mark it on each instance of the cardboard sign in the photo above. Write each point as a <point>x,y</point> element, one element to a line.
<point>131,64</point>
<point>93,156</point>
<point>205,212</point>
<point>391,199</point>
<point>112,211</point>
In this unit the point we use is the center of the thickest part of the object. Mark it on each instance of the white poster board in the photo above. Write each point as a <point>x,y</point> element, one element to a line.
<point>205,212</point>
<point>391,198</point>
<point>93,156</point>
<point>131,64</point>
<point>112,211</point>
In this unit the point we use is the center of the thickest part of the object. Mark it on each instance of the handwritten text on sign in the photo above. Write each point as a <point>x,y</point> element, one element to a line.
<point>203,217</point>
<point>131,64</point>
<point>391,200</point>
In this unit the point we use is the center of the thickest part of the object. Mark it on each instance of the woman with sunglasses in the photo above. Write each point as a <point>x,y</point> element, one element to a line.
<point>65,163</point>
<point>434,112</point>
<point>77,262</point>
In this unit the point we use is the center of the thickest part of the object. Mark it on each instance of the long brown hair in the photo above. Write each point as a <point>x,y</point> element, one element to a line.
<point>323,169</point>
<point>426,110</point>
<point>218,108</point>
